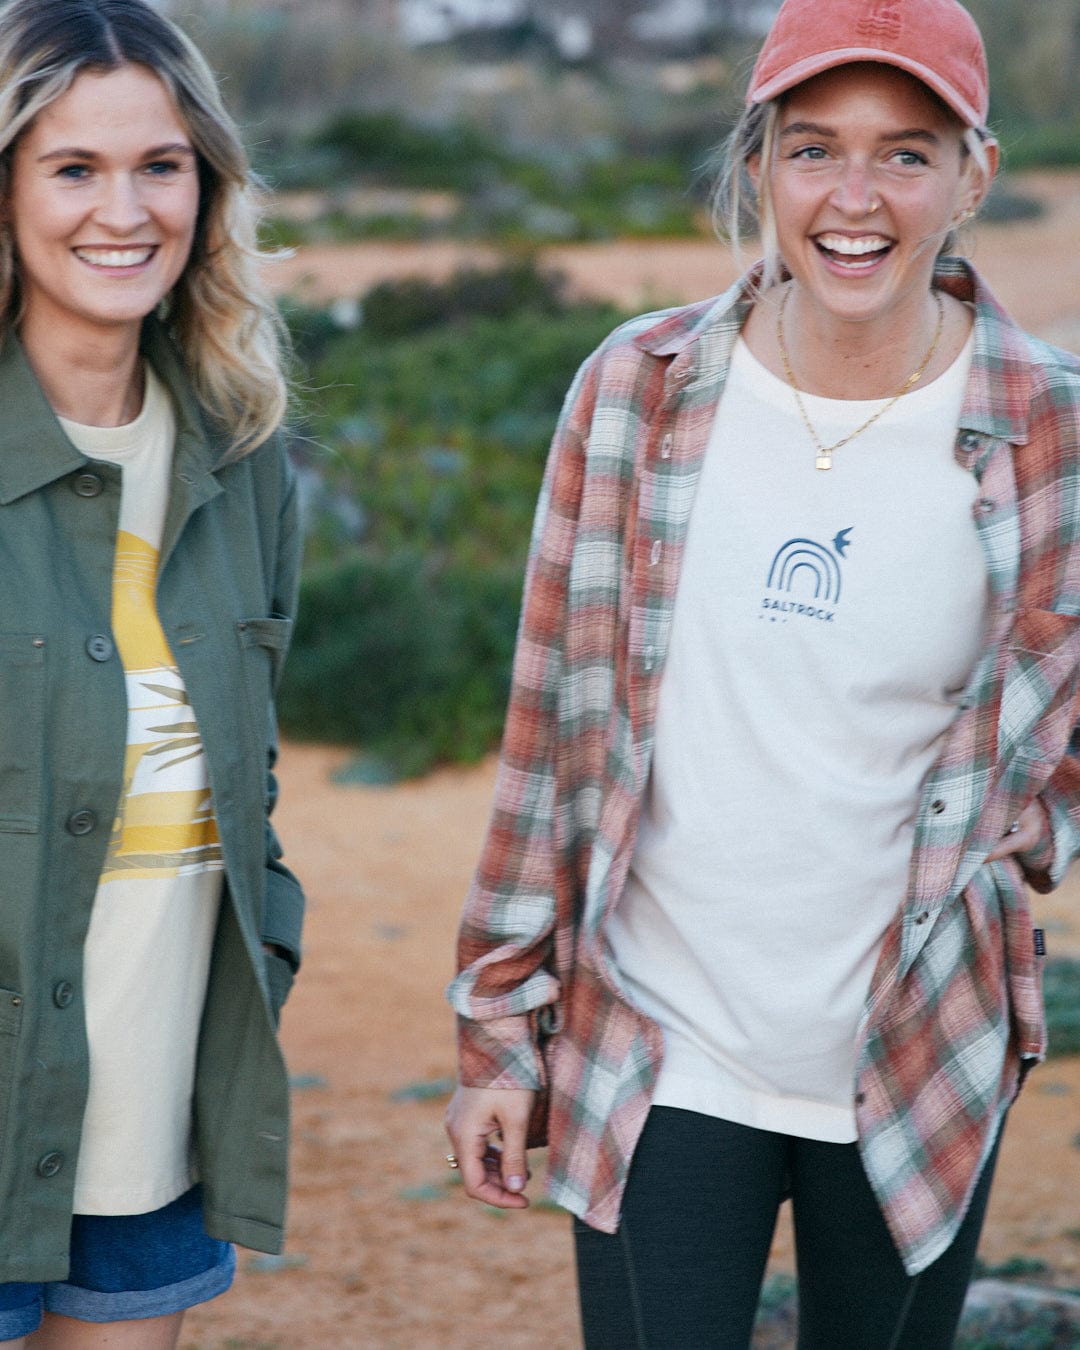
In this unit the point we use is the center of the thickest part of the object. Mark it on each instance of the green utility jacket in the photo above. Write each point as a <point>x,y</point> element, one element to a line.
<point>226,595</point>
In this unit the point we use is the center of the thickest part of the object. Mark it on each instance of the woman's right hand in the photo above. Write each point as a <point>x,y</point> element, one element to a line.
<point>487,1128</point>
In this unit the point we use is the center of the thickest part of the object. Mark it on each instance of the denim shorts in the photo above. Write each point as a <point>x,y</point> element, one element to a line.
<point>127,1266</point>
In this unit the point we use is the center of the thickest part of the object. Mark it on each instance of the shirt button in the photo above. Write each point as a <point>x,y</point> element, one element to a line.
<point>654,553</point>
<point>860,1098</point>
<point>649,658</point>
<point>81,822</point>
<point>937,806</point>
<point>922,918</point>
<point>969,440</point>
<point>50,1164</point>
<point>985,506</point>
<point>99,647</point>
<point>87,484</point>
<point>665,446</point>
<point>63,994</point>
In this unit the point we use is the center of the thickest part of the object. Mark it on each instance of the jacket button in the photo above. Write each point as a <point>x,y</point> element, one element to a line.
<point>99,647</point>
<point>87,484</point>
<point>63,994</point>
<point>937,806</point>
<point>50,1164</point>
<point>81,822</point>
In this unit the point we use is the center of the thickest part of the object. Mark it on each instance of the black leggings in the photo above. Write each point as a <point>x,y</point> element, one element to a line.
<point>684,1271</point>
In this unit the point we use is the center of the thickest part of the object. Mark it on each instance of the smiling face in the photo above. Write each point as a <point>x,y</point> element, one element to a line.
<point>103,205</point>
<point>868,176</point>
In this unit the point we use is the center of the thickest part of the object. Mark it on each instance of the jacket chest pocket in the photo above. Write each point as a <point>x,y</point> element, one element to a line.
<point>22,728</point>
<point>1039,687</point>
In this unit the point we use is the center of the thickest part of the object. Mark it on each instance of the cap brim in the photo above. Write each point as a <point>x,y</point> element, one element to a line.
<point>817,64</point>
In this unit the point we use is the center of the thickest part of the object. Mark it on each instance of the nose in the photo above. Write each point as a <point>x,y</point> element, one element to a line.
<point>854,193</point>
<point>121,208</point>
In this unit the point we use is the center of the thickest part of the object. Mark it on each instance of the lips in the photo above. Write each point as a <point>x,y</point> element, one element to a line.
<point>116,257</point>
<point>854,251</point>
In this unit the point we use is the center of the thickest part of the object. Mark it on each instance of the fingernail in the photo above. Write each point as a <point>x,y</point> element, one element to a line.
<point>515,1183</point>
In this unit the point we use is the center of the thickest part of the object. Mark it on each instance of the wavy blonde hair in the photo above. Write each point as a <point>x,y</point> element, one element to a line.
<point>220,312</point>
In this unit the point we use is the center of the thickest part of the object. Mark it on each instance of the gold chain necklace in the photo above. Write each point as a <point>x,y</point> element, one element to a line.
<point>824,453</point>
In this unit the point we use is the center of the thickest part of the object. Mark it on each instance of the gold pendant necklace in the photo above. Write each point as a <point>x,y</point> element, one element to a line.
<point>824,453</point>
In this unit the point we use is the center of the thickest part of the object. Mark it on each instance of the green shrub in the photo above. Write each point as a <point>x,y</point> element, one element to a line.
<point>435,416</point>
<point>407,661</point>
<point>1061,994</point>
<point>396,309</point>
<point>388,147</point>
<point>1036,147</point>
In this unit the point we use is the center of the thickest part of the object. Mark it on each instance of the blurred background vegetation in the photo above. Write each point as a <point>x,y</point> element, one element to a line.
<point>426,410</point>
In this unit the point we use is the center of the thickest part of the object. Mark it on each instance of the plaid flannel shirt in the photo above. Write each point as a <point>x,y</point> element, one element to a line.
<point>954,1013</point>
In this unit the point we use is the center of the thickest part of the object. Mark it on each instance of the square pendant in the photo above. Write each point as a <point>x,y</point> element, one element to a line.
<point>823,460</point>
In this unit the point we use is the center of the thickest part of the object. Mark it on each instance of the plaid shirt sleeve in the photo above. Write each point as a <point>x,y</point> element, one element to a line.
<point>506,938</point>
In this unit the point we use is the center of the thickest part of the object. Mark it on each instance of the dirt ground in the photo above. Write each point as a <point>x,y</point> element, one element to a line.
<point>383,1251</point>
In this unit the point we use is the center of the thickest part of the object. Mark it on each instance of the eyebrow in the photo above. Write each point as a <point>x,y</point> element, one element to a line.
<point>828,133</point>
<point>155,152</point>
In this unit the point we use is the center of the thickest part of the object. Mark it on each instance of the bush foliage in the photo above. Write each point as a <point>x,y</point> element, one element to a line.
<point>431,422</point>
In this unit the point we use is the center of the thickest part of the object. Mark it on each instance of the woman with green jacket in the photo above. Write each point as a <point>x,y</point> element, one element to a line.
<point>148,566</point>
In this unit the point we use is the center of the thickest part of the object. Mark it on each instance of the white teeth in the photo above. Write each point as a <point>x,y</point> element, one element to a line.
<point>114,257</point>
<point>842,243</point>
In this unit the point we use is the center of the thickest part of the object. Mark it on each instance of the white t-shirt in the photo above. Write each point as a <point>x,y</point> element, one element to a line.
<point>147,951</point>
<point>825,625</point>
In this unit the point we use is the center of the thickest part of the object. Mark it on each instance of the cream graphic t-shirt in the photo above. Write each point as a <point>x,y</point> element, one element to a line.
<point>825,628</point>
<point>148,948</point>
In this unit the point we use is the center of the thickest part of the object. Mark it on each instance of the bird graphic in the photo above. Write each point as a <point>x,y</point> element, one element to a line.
<point>841,543</point>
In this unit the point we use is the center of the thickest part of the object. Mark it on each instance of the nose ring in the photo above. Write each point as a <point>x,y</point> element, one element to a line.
<point>875,207</point>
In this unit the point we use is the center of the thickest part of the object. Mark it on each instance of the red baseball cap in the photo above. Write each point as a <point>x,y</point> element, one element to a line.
<point>937,41</point>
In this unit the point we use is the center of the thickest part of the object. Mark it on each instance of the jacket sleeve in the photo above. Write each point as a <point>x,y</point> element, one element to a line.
<point>284,900</point>
<point>506,935</point>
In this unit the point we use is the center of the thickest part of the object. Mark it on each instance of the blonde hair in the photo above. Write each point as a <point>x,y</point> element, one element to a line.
<point>220,313</point>
<point>735,201</point>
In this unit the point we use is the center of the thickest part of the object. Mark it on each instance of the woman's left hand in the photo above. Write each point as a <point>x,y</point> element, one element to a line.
<point>1027,832</point>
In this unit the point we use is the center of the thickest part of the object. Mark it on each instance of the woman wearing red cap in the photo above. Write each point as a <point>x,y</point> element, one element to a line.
<point>789,732</point>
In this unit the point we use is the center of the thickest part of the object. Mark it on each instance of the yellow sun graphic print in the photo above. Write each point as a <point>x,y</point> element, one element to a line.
<point>165,824</point>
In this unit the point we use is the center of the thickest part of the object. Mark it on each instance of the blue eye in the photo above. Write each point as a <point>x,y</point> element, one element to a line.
<point>74,172</point>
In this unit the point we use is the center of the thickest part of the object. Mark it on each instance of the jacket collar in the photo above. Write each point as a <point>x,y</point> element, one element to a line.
<point>33,448</point>
<point>998,399</point>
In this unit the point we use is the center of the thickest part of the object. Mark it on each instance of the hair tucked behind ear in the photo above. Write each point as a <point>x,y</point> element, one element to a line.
<point>220,311</point>
<point>734,200</point>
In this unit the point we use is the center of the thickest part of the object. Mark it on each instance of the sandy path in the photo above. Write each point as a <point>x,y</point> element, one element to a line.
<point>388,1255</point>
<point>643,273</point>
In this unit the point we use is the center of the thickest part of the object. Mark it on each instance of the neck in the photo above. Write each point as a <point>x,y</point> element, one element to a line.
<point>869,359</point>
<point>98,382</point>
